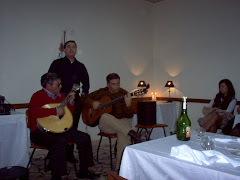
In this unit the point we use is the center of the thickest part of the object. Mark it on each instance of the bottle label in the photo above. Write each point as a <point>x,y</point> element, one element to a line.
<point>188,132</point>
<point>184,105</point>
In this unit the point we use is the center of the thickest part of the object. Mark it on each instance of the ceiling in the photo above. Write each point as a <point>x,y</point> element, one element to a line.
<point>154,1</point>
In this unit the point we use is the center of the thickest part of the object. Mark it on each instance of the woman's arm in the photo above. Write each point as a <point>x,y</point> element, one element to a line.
<point>231,106</point>
<point>211,103</point>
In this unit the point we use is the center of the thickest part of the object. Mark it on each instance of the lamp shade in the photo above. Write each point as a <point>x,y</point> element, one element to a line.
<point>142,84</point>
<point>169,84</point>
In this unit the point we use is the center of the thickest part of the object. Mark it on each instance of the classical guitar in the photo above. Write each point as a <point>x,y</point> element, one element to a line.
<point>91,116</point>
<point>56,124</point>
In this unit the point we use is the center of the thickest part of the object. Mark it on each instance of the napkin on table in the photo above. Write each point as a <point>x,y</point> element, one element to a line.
<point>184,152</point>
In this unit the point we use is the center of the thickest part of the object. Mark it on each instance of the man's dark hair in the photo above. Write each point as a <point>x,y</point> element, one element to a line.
<point>71,41</point>
<point>112,76</point>
<point>48,78</point>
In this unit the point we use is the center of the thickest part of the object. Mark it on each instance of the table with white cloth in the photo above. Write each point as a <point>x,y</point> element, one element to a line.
<point>151,160</point>
<point>166,113</point>
<point>14,140</point>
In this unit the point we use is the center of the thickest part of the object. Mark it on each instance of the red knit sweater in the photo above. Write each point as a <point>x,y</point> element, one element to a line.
<point>39,99</point>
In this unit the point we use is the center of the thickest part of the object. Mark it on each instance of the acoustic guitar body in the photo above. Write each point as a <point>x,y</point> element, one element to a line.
<point>54,124</point>
<point>91,116</point>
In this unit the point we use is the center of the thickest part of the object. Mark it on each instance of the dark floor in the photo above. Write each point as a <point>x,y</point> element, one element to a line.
<point>36,171</point>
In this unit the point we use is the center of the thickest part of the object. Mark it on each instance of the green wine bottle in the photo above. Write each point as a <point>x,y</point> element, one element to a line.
<point>183,123</point>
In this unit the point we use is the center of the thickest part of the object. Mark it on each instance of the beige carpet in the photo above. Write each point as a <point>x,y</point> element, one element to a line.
<point>36,171</point>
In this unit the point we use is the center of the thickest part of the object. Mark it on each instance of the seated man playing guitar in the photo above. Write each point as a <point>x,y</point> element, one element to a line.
<point>117,119</point>
<point>56,142</point>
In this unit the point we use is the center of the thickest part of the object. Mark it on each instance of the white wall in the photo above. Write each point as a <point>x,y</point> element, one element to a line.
<point>196,44</point>
<point>112,36</point>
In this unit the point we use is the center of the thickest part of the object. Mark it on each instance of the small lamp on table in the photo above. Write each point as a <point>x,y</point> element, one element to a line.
<point>169,84</point>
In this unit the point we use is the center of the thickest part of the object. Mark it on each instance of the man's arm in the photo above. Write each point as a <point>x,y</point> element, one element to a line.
<point>128,109</point>
<point>84,80</point>
<point>53,67</point>
<point>89,99</point>
<point>36,110</point>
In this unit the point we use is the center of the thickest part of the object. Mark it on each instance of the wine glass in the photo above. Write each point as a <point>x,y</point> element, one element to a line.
<point>200,133</point>
<point>208,143</point>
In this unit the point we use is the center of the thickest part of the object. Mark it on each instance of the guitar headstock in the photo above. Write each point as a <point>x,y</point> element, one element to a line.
<point>75,87</point>
<point>141,92</point>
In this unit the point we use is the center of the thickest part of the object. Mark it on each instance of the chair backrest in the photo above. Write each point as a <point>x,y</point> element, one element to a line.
<point>114,176</point>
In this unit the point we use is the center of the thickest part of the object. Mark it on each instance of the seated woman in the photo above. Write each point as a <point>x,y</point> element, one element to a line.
<point>220,109</point>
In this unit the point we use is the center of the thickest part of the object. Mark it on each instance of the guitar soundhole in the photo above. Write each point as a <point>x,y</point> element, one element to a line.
<point>60,117</point>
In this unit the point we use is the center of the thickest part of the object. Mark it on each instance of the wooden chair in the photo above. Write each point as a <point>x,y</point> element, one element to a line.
<point>35,146</point>
<point>109,136</point>
<point>148,133</point>
<point>114,176</point>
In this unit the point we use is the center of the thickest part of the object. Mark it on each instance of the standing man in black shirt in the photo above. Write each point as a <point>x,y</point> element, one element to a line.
<point>71,71</point>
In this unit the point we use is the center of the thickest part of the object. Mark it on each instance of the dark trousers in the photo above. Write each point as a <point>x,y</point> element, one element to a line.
<point>76,117</point>
<point>57,149</point>
<point>77,112</point>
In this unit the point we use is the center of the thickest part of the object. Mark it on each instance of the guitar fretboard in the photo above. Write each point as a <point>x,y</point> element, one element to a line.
<point>102,106</point>
<point>65,101</point>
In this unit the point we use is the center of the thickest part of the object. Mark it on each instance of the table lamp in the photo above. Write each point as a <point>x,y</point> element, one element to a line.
<point>169,84</point>
<point>142,84</point>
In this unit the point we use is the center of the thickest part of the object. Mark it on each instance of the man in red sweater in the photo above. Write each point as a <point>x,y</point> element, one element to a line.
<point>56,144</point>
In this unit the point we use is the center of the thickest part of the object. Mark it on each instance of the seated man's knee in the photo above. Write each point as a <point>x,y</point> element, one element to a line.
<point>106,116</point>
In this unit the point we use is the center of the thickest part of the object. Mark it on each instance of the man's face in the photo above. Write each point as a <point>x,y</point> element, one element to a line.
<point>114,85</point>
<point>70,49</point>
<point>55,87</point>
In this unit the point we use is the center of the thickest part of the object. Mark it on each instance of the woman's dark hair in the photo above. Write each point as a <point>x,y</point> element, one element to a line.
<point>48,78</point>
<point>112,76</point>
<point>225,100</point>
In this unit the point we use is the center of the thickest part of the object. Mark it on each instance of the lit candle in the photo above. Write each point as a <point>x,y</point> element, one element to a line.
<point>154,94</point>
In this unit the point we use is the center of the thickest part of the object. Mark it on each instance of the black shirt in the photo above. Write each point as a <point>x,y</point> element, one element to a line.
<point>70,73</point>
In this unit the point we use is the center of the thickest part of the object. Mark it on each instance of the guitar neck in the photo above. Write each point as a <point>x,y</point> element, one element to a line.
<point>65,101</point>
<point>102,106</point>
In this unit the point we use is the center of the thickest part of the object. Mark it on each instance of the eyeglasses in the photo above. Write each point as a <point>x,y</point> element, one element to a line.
<point>59,84</point>
<point>56,84</point>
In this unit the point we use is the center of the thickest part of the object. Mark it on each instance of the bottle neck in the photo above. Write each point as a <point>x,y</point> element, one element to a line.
<point>184,107</point>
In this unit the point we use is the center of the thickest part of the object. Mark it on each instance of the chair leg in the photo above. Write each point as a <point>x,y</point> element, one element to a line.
<point>146,134</point>
<point>139,130</point>
<point>164,131</point>
<point>31,157</point>
<point>99,147</point>
<point>115,149</point>
<point>47,167</point>
<point>150,134</point>
<point>110,145</point>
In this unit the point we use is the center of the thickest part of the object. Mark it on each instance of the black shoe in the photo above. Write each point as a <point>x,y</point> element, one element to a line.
<point>55,177</point>
<point>88,175</point>
<point>136,137</point>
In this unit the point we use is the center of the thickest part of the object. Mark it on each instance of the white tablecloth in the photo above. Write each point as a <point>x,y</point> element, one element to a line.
<point>166,113</point>
<point>236,120</point>
<point>151,160</point>
<point>14,140</point>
